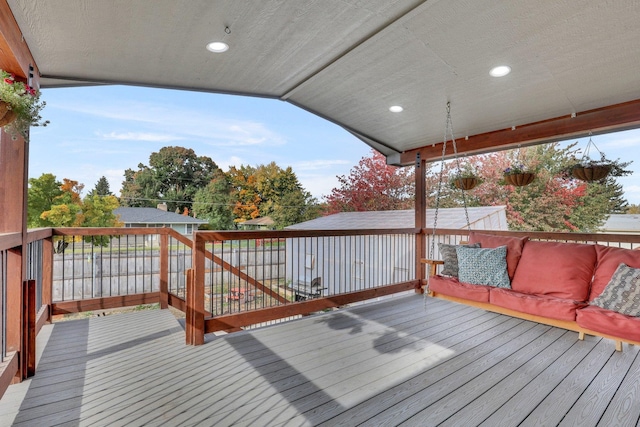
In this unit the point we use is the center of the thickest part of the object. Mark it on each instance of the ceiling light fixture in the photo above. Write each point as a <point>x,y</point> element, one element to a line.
<point>396,109</point>
<point>219,46</point>
<point>500,71</point>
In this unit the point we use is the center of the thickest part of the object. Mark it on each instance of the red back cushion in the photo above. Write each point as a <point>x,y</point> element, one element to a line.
<point>514,247</point>
<point>562,270</point>
<point>609,259</point>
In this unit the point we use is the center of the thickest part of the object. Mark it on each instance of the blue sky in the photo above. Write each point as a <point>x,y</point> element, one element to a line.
<point>103,130</point>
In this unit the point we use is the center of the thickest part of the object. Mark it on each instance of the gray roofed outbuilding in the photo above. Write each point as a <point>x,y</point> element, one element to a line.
<point>480,218</point>
<point>153,216</point>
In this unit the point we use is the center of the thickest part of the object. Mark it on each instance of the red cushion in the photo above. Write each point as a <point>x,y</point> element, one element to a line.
<point>609,258</point>
<point>545,306</point>
<point>453,287</point>
<point>609,322</point>
<point>562,270</point>
<point>514,247</point>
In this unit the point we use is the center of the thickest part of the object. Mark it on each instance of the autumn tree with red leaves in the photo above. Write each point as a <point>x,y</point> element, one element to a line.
<point>372,185</point>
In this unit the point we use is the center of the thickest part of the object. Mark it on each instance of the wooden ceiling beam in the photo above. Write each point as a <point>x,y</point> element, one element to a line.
<point>15,56</point>
<point>602,120</point>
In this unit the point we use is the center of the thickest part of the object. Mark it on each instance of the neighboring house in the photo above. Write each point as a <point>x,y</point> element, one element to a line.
<point>158,217</point>
<point>262,223</point>
<point>373,263</point>
<point>622,224</point>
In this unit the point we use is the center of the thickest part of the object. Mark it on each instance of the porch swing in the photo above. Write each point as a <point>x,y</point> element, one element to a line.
<point>431,261</point>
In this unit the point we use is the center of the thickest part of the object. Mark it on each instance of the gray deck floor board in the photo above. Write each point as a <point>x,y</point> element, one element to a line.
<point>387,363</point>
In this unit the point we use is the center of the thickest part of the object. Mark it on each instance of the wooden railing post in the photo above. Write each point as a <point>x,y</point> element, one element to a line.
<point>28,350</point>
<point>195,294</point>
<point>164,271</point>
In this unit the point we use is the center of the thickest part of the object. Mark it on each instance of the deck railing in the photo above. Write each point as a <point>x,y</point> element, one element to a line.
<point>242,279</point>
<point>221,280</point>
<point>455,236</point>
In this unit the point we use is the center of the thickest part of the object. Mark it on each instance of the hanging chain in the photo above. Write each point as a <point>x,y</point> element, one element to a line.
<point>435,214</point>
<point>457,160</point>
<point>586,154</point>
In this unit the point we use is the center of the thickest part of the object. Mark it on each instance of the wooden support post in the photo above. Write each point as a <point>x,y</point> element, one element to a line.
<point>14,315</point>
<point>28,351</point>
<point>195,294</point>
<point>47,276</point>
<point>420,220</point>
<point>164,271</point>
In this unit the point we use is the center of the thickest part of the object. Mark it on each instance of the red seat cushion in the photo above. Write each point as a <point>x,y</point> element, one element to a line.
<point>609,322</point>
<point>545,306</point>
<point>561,270</point>
<point>453,287</point>
<point>609,259</point>
<point>514,247</point>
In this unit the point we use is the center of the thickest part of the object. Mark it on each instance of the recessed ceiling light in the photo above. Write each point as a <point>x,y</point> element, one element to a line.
<point>500,71</point>
<point>396,109</point>
<point>217,47</point>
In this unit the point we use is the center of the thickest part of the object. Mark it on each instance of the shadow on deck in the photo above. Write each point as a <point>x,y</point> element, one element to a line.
<point>387,363</point>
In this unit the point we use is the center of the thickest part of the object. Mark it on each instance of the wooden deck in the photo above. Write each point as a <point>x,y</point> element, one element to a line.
<point>389,363</point>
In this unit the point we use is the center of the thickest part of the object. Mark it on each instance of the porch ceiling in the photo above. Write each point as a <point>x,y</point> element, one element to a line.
<point>349,60</point>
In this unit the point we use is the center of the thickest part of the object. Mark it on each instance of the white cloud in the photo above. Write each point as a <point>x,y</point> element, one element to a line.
<point>319,164</point>
<point>139,136</point>
<point>180,124</point>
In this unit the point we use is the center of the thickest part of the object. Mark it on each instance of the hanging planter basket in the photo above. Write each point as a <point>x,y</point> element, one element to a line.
<point>590,173</point>
<point>465,183</point>
<point>7,116</point>
<point>519,179</point>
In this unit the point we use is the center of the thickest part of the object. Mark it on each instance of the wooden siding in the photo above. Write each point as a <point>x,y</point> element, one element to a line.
<point>403,361</point>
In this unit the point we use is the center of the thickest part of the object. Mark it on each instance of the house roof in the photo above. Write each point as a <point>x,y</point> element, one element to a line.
<point>265,220</point>
<point>574,63</point>
<point>622,223</point>
<point>480,218</point>
<point>153,216</point>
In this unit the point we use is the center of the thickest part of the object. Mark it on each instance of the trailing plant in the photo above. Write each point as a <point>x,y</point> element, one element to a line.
<point>22,105</point>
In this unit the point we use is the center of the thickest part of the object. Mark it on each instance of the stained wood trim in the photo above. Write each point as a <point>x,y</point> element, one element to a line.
<point>164,271</point>
<point>16,56</point>
<point>28,350</point>
<point>10,240</point>
<point>420,216</point>
<point>545,235</point>
<point>8,370</point>
<point>177,302</point>
<point>106,231</point>
<point>36,234</point>
<point>78,306</point>
<point>42,318</point>
<point>234,321</point>
<point>600,120</point>
<point>210,236</point>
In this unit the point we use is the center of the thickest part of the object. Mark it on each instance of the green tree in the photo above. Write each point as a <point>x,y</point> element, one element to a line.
<point>269,190</point>
<point>174,175</point>
<point>41,193</point>
<point>102,188</point>
<point>213,203</point>
<point>55,204</point>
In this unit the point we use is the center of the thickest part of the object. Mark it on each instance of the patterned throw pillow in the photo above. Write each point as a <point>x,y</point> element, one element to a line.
<point>483,266</point>
<point>450,258</point>
<point>622,293</point>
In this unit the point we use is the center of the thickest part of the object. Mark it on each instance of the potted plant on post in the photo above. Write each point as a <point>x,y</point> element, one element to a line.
<point>20,106</point>
<point>519,175</point>
<point>466,178</point>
